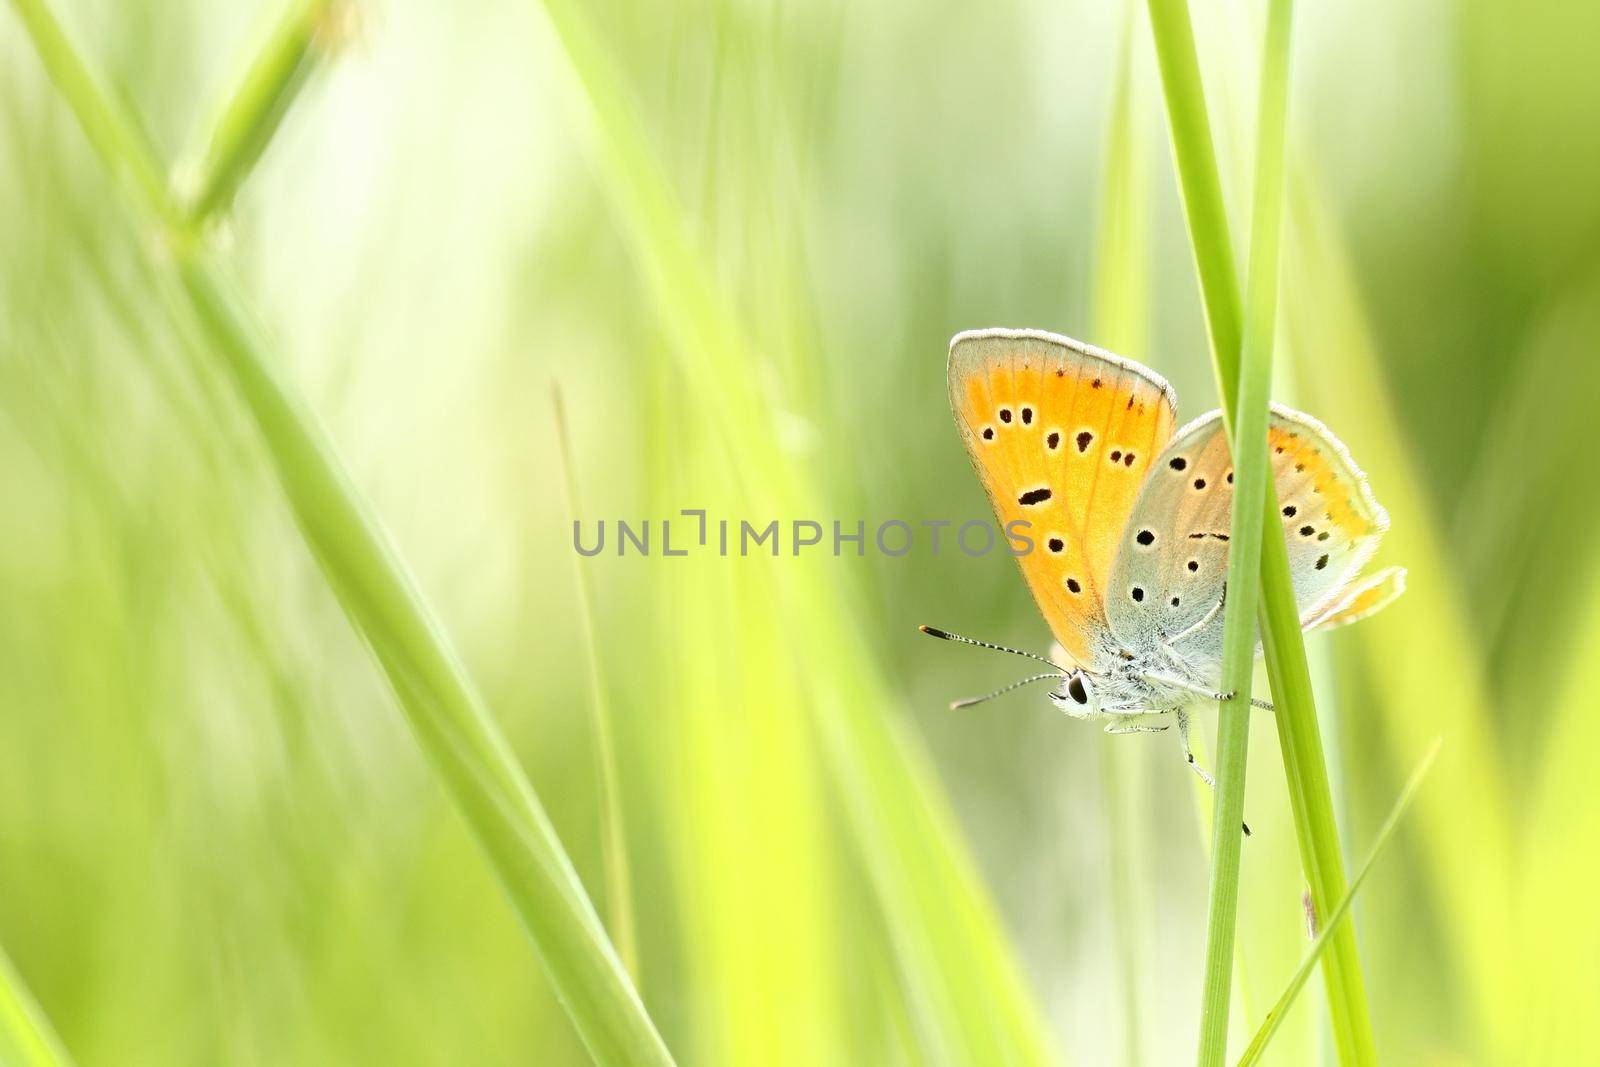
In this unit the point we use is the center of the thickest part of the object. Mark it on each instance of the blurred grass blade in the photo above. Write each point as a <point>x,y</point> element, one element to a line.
<point>613,838</point>
<point>259,102</point>
<point>456,732</point>
<point>967,998</point>
<point>26,1037</point>
<point>1120,300</point>
<point>112,131</point>
<point>1250,518</point>
<point>1305,767</point>
<point>1330,923</point>
<point>1468,822</point>
<point>1558,930</point>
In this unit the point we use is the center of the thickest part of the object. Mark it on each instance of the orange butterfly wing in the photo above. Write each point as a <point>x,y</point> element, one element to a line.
<point>1061,435</point>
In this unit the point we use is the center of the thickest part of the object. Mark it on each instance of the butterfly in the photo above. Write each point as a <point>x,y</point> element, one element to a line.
<point>1125,522</point>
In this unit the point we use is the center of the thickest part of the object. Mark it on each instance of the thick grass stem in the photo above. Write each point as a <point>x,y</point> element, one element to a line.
<point>1233,343</point>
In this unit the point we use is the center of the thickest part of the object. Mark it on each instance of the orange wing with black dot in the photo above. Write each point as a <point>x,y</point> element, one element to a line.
<point>1062,435</point>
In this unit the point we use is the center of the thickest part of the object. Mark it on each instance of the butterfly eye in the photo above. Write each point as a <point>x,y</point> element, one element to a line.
<point>1076,689</point>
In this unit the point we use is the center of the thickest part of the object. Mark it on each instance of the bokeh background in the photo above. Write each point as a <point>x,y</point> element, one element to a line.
<point>219,843</point>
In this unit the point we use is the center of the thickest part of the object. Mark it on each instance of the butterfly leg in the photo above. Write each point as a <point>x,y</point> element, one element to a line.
<point>1188,755</point>
<point>1136,728</point>
<point>1179,683</point>
<point>1200,690</point>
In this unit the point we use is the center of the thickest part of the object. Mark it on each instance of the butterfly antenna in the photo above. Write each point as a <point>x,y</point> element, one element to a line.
<point>957,705</point>
<point>946,635</point>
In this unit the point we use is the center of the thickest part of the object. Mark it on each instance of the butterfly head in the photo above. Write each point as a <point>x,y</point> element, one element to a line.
<point>1078,695</point>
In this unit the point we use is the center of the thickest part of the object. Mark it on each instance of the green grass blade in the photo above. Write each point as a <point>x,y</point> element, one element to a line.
<point>1560,960</point>
<point>967,999</point>
<point>1200,187</point>
<point>1469,824</point>
<point>613,838</point>
<point>1252,474</point>
<point>1120,301</point>
<point>1300,742</point>
<point>26,1037</point>
<point>1205,819</point>
<point>257,105</point>
<point>112,132</point>
<point>455,730</point>
<point>1330,925</point>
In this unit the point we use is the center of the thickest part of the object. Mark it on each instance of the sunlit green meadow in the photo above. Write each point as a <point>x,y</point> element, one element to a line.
<point>296,654</point>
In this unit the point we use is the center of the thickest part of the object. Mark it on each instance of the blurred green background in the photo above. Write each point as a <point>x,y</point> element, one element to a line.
<point>220,844</point>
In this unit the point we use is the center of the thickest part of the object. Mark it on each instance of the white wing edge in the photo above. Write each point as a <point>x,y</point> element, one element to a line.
<point>1001,333</point>
<point>1321,620</point>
